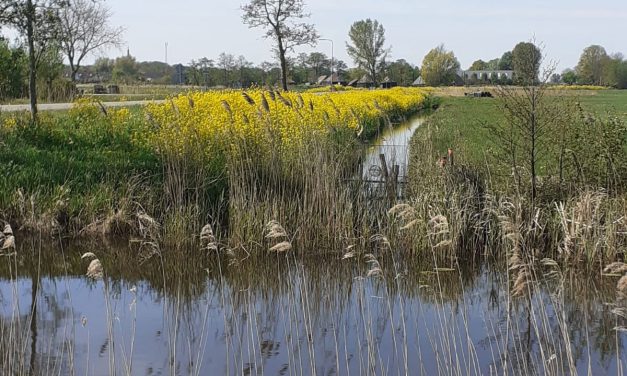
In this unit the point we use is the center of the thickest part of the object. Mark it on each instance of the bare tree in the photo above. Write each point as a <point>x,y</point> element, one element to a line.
<point>280,19</point>
<point>532,119</point>
<point>85,29</point>
<point>38,22</point>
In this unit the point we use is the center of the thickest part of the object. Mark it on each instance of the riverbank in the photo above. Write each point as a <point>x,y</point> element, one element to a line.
<point>186,162</point>
<point>578,215</point>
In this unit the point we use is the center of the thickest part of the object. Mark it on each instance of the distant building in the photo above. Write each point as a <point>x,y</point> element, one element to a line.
<point>387,83</point>
<point>327,80</point>
<point>474,76</point>
<point>365,82</point>
<point>418,82</point>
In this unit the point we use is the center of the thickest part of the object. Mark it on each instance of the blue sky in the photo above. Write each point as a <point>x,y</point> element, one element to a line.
<point>473,29</point>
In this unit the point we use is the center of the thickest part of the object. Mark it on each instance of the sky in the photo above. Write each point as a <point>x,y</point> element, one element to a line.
<point>473,29</point>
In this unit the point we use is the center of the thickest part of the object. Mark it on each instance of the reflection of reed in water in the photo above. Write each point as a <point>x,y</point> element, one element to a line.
<point>325,314</point>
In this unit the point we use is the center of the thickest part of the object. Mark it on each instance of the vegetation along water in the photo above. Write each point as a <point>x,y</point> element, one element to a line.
<point>300,217</point>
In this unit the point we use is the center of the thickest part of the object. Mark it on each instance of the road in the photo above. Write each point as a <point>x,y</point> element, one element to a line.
<point>67,106</point>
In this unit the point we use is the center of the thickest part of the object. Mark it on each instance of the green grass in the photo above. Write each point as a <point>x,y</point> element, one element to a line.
<point>461,123</point>
<point>83,160</point>
<point>602,101</point>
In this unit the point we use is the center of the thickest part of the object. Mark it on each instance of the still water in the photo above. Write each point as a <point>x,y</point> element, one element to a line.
<point>193,314</point>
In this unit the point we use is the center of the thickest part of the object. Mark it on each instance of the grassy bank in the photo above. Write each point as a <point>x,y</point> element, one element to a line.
<point>485,200</point>
<point>235,160</point>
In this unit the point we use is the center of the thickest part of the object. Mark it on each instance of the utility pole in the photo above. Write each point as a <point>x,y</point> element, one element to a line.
<point>329,40</point>
<point>166,52</point>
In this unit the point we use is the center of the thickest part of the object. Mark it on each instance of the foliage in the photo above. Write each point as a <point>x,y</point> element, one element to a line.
<point>569,77</point>
<point>591,65</point>
<point>13,71</point>
<point>402,72</point>
<point>280,20</point>
<point>478,65</point>
<point>125,69</point>
<point>439,67</point>
<point>505,62</point>
<point>367,48</point>
<point>37,22</point>
<point>526,59</point>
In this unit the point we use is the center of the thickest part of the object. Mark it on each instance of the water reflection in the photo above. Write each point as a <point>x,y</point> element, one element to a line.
<point>193,314</point>
<point>393,144</point>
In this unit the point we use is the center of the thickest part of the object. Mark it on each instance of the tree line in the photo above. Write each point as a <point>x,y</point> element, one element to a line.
<point>53,30</point>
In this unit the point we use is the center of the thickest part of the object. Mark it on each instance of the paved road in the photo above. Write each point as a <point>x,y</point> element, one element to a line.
<point>67,106</point>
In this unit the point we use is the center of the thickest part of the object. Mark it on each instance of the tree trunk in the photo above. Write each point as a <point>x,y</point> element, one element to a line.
<point>283,68</point>
<point>283,61</point>
<point>74,70</point>
<point>32,63</point>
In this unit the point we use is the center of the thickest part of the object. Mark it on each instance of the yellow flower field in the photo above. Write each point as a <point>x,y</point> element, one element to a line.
<point>288,119</point>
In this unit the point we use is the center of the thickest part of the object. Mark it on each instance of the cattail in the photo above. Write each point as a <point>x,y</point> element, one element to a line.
<point>283,100</point>
<point>206,233</point>
<point>271,94</point>
<point>9,242</point>
<point>615,268</point>
<point>275,230</point>
<point>375,272</point>
<point>248,98</point>
<point>94,270</point>
<point>282,247</point>
<point>264,103</point>
<point>409,225</point>
<point>311,105</point>
<point>621,286</point>
<point>226,106</point>
<point>208,239</point>
<point>191,102</point>
<point>174,107</point>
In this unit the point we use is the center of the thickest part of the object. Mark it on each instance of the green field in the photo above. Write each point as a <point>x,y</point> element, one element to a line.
<point>464,124</point>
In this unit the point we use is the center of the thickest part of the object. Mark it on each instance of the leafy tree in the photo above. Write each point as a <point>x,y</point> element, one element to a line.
<point>125,69</point>
<point>402,72</point>
<point>621,75</point>
<point>569,77</point>
<point>526,58</point>
<point>280,19</point>
<point>367,48</point>
<point>478,65</point>
<point>493,64</point>
<point>103,67</point>
<point>505,62</point>
<point>319,63</point>
<point>156,71</point>
<point>439,67</point>
<point>13,71</point>
<point>38,22</point>
<point>85,29</point>
<point>340,67</point>
<point>592,64</point>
